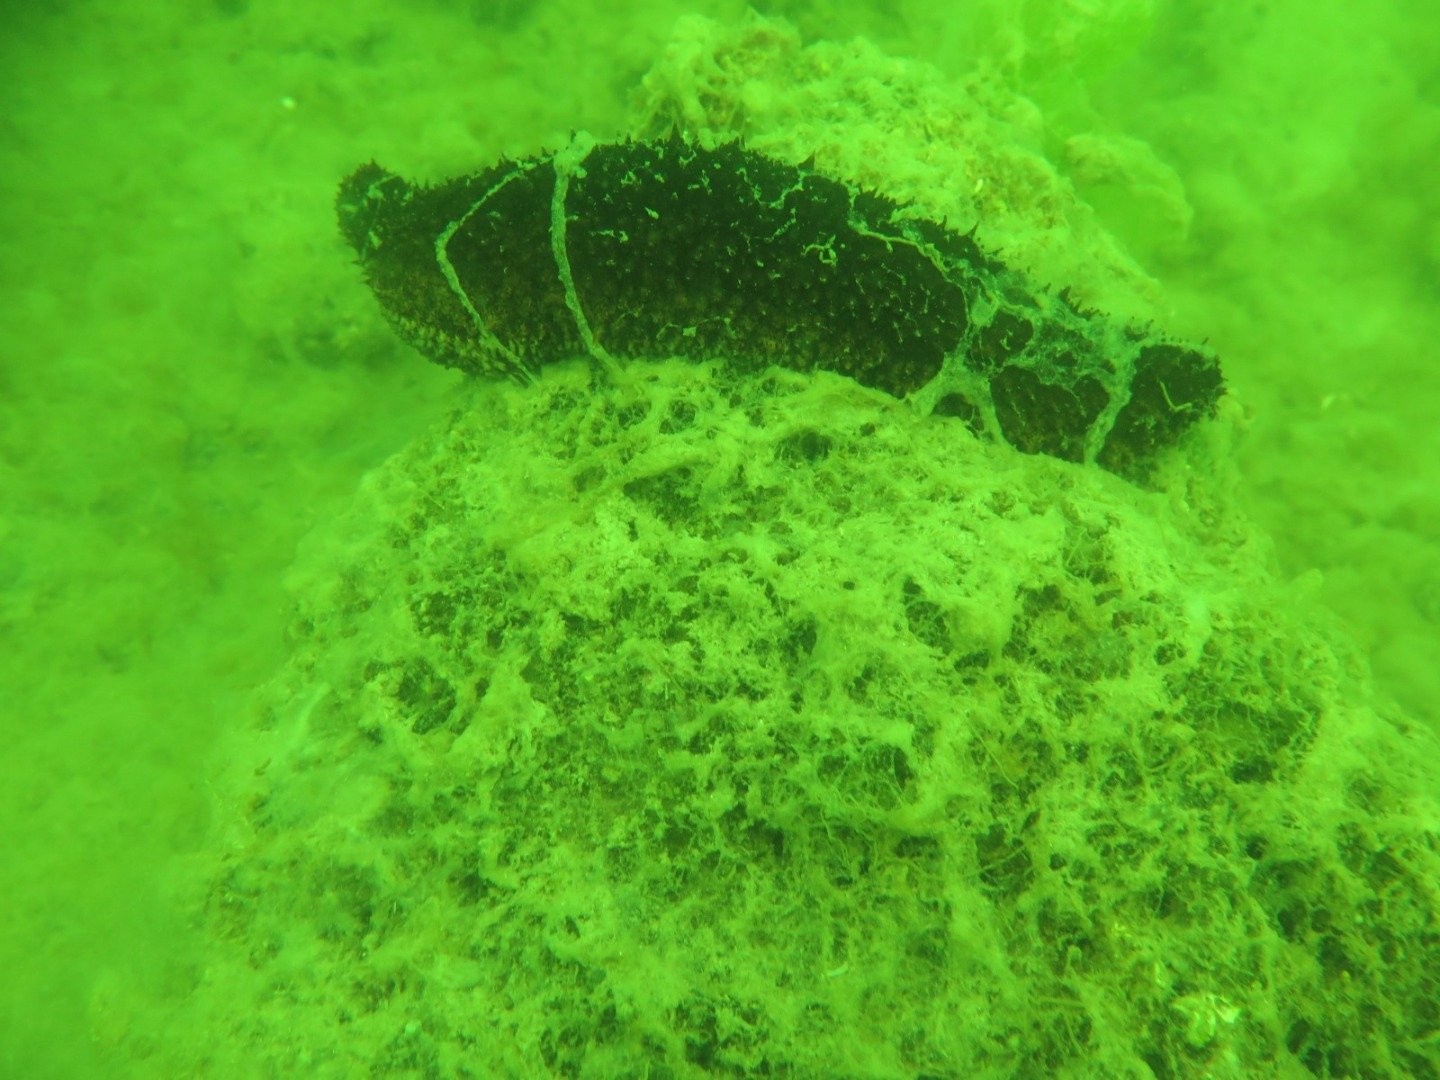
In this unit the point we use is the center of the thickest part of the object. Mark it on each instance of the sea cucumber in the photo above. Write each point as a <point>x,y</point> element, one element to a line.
<point>658,248</point>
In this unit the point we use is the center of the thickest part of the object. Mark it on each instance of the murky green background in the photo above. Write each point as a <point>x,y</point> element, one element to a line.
<point>188,380</point>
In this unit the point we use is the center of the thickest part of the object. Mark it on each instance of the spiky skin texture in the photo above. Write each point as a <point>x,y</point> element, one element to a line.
<point>663,248</point>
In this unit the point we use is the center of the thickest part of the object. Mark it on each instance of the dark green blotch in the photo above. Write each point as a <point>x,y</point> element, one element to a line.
<point>1173,387</point>
<point>1039,417</point>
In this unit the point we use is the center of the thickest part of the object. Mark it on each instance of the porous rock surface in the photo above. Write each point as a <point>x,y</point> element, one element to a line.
<point>722,725</point>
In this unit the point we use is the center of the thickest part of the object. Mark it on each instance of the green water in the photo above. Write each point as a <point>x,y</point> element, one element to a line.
<point>192,377</point>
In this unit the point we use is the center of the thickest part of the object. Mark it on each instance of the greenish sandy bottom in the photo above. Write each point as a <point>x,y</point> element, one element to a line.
<point>719,726</point>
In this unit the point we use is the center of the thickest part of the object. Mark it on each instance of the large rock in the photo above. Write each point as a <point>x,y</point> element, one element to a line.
<point>720,725</point>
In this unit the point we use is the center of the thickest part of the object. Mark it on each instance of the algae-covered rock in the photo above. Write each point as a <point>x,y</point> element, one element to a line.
<point>754,725</point>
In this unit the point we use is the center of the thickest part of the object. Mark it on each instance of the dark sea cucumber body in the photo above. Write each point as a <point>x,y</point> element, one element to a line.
<point>664,248</point>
